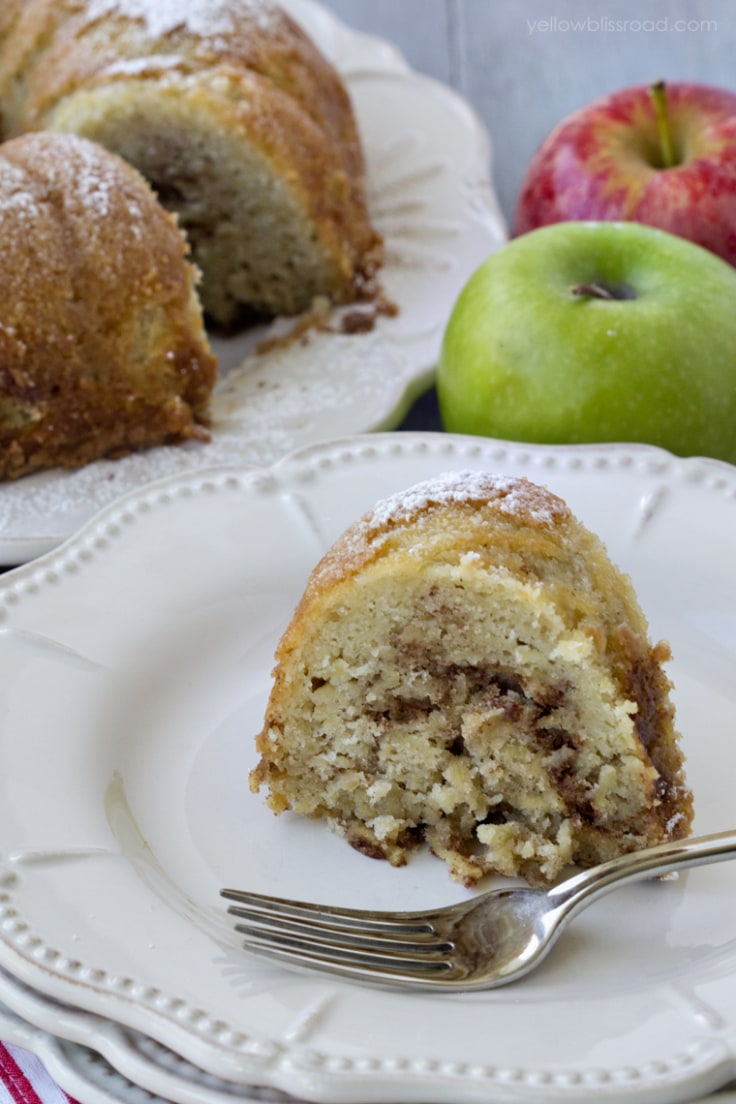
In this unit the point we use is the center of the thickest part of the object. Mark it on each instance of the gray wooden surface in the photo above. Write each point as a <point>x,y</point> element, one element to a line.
<point>525,64</point>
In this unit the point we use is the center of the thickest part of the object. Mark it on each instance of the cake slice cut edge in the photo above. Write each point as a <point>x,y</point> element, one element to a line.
<point>468,669</point>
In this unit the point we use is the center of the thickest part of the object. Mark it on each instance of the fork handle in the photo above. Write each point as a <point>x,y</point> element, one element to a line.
<point>578,892</point>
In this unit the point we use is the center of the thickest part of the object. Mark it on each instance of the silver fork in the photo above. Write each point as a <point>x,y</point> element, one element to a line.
<point>487,941</point>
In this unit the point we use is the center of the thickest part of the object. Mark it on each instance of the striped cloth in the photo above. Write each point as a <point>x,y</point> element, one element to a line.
<point>24,1080</point>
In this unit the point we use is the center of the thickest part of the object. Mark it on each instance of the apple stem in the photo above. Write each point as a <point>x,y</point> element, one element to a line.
<point>658,92</point>
<point>597,291</point>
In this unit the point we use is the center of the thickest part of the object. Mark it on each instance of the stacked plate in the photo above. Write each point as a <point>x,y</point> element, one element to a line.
<point>135,659</point>
<point>135,663</point>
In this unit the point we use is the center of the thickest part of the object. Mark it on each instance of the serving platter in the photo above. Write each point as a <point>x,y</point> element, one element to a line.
<point>428,161</point>
<point>136,659</point>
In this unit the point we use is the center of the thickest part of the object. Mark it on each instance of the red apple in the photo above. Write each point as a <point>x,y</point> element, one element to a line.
<point>662,155</point>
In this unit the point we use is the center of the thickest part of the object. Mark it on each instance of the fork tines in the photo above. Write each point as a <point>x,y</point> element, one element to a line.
<point>347,941</point>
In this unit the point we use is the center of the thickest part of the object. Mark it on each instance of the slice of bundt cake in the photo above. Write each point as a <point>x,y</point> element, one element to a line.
<point>467,667</point>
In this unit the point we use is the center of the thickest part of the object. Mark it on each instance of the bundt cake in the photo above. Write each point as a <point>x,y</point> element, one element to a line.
<point>467,667</point>
<point>228,109</point>
<point>102,346</point>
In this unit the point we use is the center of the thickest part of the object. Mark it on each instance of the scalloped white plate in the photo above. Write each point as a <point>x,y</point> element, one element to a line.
<point>135,665</point>
<point>125,1062</point>
<point>110,1057</point>
<point>430,194</point>
<point>89,1078</point>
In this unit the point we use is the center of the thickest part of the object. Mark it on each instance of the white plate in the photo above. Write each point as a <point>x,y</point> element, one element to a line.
<point>122,1060</point>
<point>430,195</point>
<point>91,1079</point>
<point>74,1069</point>
<point>135,664</point>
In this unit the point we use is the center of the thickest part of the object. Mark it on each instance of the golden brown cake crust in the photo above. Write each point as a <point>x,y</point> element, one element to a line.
<point>468,667</point>
<point>215,102</point>
<point>102,346</point>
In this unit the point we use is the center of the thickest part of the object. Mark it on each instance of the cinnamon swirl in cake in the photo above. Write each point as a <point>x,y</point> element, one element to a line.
<point>468,668</point>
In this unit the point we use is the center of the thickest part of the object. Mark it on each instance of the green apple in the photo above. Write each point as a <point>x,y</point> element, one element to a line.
<point>595,331</point>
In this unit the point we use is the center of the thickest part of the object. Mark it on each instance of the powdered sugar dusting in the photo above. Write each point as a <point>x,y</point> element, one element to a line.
<point>508,496</point>
<point>199,17</point>
<point>141,66</point>
<point>17,203</point>
<point>96,175</point>
<point>511,496</point>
